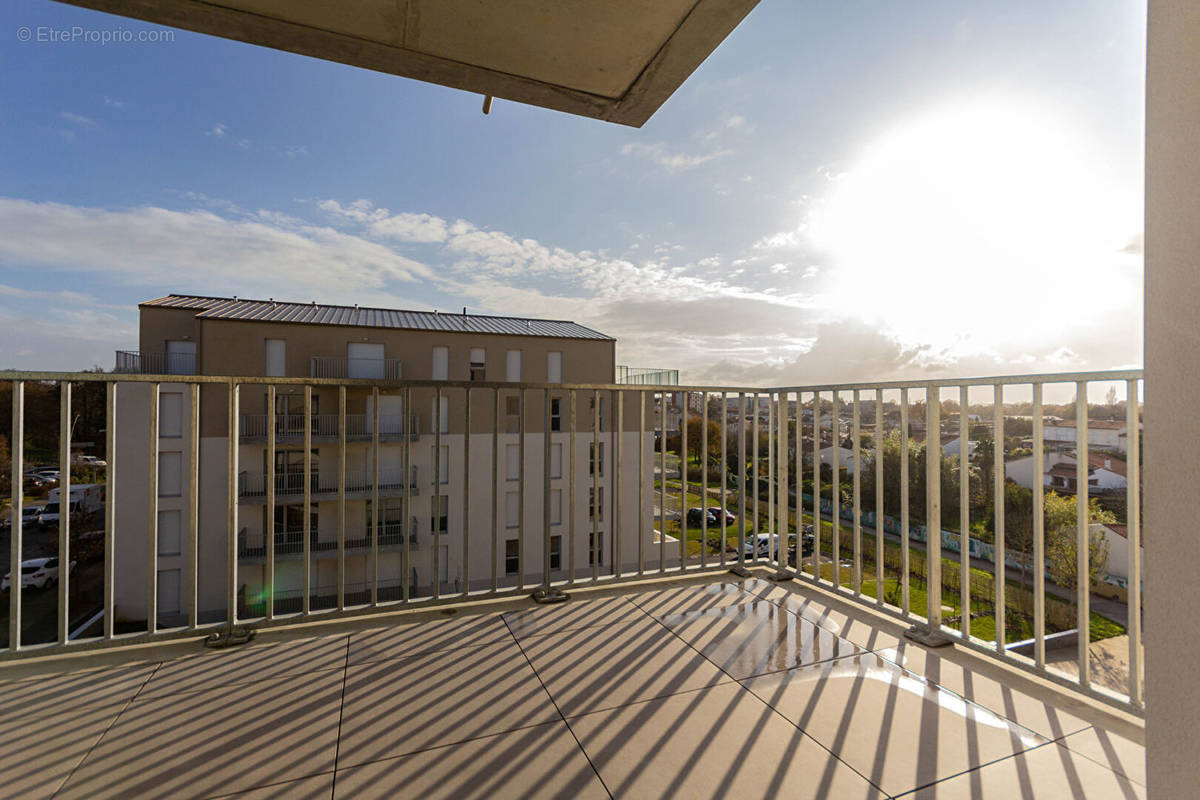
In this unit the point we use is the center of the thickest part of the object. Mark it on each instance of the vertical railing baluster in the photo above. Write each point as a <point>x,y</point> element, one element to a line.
<point>931,633</point>
<point>754,473</point>
<point>1039,533</point>
<point>521,491</point>
<point>64,509</point>
<point>835,516</point>
<point>641,434</point>
<point>740,567</point>
<point>856,449</point>
<point>781,492</point>
<point>964,514</point>
<point>306,601</point>
<point>16,512</point>
<point>545,588</point>
<point>704,480</point>
<point>341,501</point>
<point>683,487</point>
<point>193,515</point>
<point>594,466</point>
<point>618,399</point>
<point>1083,572</point>
<point>905,568</point>
<point>724,475</point>
<point>574,428</point>
<point>495,489</point>
<point>110,504</point>
<point>152,509</point>
<point>268,588</point>
<point>374,521</point>
<point>465,563</point>
<point>435,499</point>
<point>1133,527</point>
<point>818,538</point>
<point>1000,551</point>
<point>880,511</point>
<point>772,421</point>
<point>231,550</point>
<point>410,529</point>
<point>662,483</point>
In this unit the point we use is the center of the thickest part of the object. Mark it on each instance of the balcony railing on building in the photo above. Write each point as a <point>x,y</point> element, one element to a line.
<point>138,362</point>
<point>290,543</point>
<point>358,481</point>
<point>647,376</point>
<point>359,427</point>
<point>384,369</point>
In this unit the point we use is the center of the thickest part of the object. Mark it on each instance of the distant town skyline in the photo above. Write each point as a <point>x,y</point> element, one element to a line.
<point>837,194</point>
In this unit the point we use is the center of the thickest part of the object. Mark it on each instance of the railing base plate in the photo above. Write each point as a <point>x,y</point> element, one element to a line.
<point>548,596</point>
<point>740,571</point>
<point>930,638</point>
<point>231,638</point>
<point>780,576</point>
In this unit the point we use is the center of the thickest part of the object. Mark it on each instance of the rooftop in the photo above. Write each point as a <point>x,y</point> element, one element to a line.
<point>693,688</point>
<point>235,308</point>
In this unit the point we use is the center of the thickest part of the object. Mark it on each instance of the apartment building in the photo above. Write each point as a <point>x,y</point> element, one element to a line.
<point>414,485</point>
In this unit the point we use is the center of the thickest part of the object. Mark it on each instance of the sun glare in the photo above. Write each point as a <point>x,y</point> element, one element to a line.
<point>967,226</point>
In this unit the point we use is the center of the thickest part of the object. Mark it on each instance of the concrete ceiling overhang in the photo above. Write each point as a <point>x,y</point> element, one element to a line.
<point>615,60</point>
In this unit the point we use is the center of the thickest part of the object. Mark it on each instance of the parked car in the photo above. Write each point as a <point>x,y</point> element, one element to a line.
<point>36,573</point>
<point>696,515</point>
<point>762,542</point>
<point>730,519</point>
<point>30,514</point>
<point>92,461</point>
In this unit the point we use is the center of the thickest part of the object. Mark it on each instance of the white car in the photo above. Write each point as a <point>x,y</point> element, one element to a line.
<point>762,542</point>
<point>37,573</point>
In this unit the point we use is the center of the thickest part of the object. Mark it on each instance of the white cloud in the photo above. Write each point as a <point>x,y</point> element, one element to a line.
<point>112,102</point>
<point>671,160</point>
<point>381,222</point>
<point>217,131</point>
<point>78,120</point>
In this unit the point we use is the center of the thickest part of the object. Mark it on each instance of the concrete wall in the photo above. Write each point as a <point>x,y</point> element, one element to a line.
<point>1172,387</point>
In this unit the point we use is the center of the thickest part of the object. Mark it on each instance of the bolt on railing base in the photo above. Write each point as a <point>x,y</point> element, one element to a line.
<point>547,596</point>
<point>740,571</point>
<point>779,576</point>
<point>229,638</point>
<point>923,634</point>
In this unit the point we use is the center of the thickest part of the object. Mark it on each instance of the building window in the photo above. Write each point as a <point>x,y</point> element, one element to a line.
<point>556,415</point>
<point>170,414</point>
<point>556,507</point>
<point>512,462</point>
<point>275,358</point>
<point>169,533</point>
<point>554,368</point>
<point>555,552</point>
<point>512,557</point>
<point>478,364</point>
<point>440,510</point>
<point>170,474</point>
<point>512,510</point>
<point>168,592</point>
<point>595,511</point>
<point>512,414</point>
<point>596,464</point>
<point>556,451</point>
<point>512,372</point>
<point>596,549</point>
<point>441,363</point>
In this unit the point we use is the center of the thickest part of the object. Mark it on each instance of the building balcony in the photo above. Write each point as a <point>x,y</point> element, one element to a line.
<point>359,484</point>
<point>324,428</point>
<point>384,369</point>
<point>136,362</point>
<point>289,545</point>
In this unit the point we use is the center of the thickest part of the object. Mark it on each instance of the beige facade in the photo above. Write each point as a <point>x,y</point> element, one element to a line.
<point>472,527</point>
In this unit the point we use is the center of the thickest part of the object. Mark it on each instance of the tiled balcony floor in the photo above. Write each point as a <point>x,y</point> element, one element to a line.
<point>707,689</point>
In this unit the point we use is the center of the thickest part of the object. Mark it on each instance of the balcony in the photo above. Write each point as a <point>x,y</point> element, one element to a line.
<point>289,428</point>
<point>290,544</point>
<point>134,362</point>
<point>384,369</point>
<point>908,643</point>
<point>359,484</point>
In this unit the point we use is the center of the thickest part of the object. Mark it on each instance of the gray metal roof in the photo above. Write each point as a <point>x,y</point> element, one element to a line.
<point>324,314</point>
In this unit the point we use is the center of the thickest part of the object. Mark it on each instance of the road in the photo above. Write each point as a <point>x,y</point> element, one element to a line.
<point>39,607</point>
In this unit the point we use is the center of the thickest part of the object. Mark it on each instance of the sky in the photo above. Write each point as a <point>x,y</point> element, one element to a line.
<point>842,192</point>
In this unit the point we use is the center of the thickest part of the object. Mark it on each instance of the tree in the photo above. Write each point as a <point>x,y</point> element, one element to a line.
<point>695,442</point>
<point>1062,539</point>
<point>1110,398</point>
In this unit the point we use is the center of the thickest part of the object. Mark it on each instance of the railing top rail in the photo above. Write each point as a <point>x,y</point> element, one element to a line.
<point>107,377</point>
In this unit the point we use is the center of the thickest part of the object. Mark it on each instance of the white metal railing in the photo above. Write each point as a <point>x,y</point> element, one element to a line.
<point>384,369</point>
<point>358,426</point>
<point>151,363</point>
<point>647,376</point>
<point>878,520</point>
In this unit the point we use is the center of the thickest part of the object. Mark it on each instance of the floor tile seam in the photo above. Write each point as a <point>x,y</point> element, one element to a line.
<point>574,629</point>
<point>107,728</point>
<point>561,716</point>
<point>376,660</point>
<point>155,695</point>
<point>283,782</point>
<point>447,745</point>
<point>337,746</point>
<point>977,768</point>
<point>809,736</point>
<point>1062,740</point>
<point>644,700</point>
